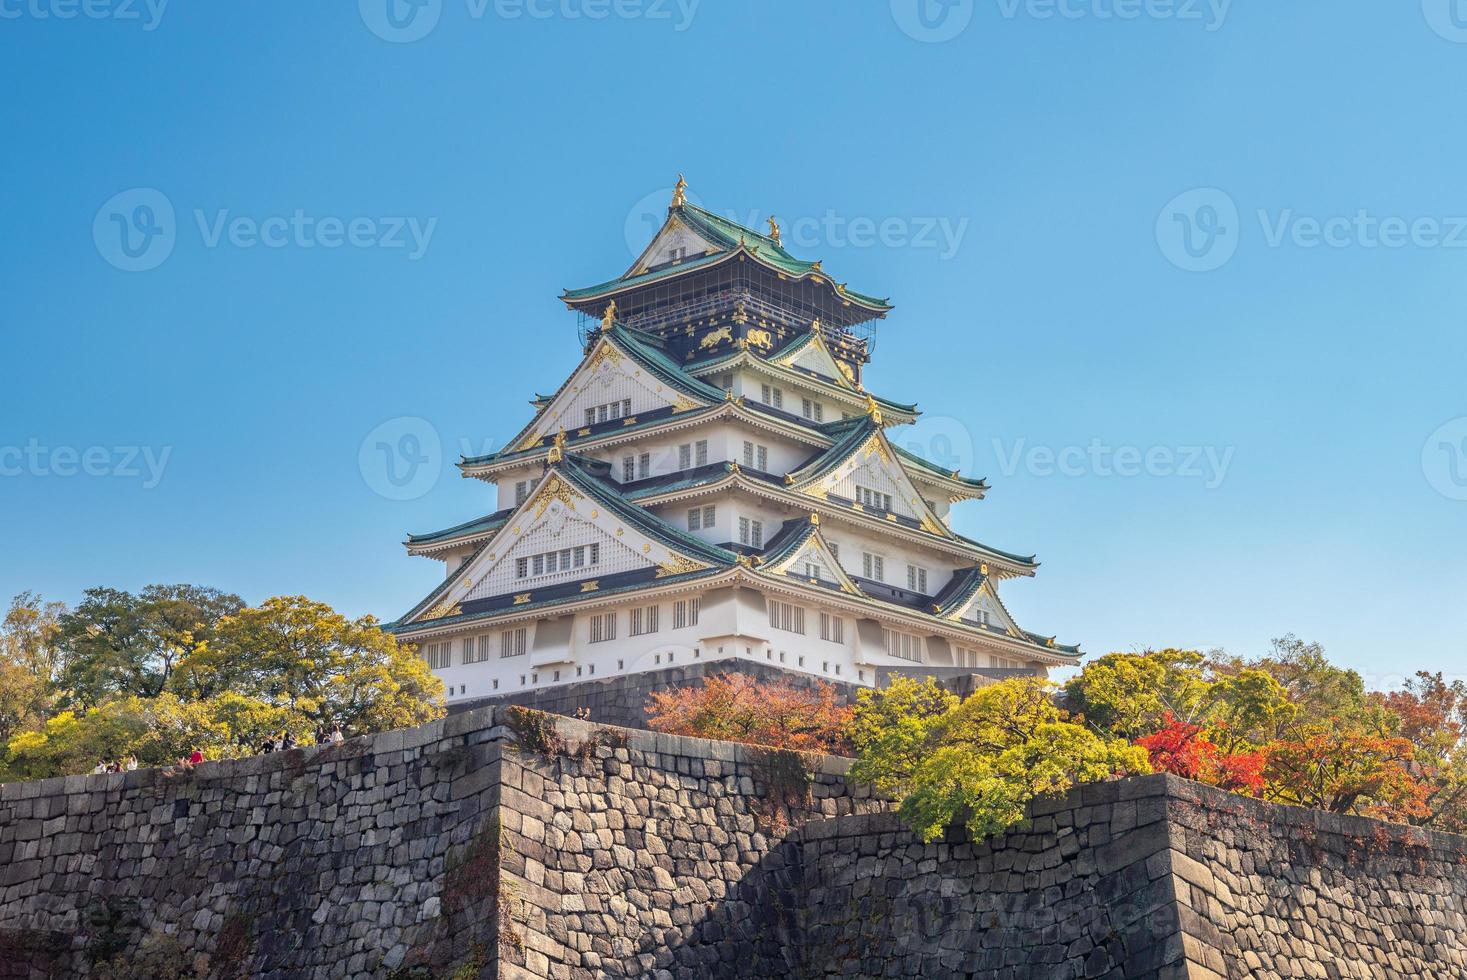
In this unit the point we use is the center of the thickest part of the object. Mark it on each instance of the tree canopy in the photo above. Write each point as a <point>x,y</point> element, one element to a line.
<point>179,667</point>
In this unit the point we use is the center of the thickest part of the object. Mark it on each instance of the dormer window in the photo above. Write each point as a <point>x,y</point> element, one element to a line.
<point>678,253</point>
<point>873,499</point>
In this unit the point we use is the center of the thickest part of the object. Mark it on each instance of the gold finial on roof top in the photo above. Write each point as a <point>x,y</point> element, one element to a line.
<point>873,409</point>
<point>680,192</point>
<point>557,448</point>
<point>609,317</point>
<point>774,230</point>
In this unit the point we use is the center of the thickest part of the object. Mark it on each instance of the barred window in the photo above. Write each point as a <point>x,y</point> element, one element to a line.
<point>906,646</point>
<point>562,560</point>
<point>700,452</point>
<point>644,621</point>
<point>685,613</point>
<point>772,396</point>
<point>812,409</point>
<point>786,616</point>
<point>700,518</point>
<point>628,469</point>
<point>832,628</point>
<point>512,643</point>
<point>475,649</point>
<point>439,655</point>
<point>521,492</point>
<point>873,566</point>
<point>917,578</point>
<point>644,465</point>
<point>751,532</point>
<point>873,499</point>
<point>756,457</point>
<point>603,627</point>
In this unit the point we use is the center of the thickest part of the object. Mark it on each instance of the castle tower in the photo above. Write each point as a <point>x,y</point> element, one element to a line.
<point>714,483</point>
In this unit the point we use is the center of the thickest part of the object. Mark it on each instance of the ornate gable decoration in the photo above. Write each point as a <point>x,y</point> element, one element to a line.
<point>609,383</point>
<point>985,600</point>
<point>815,356</point>
<point>814,551</point>
<point>873,469</point>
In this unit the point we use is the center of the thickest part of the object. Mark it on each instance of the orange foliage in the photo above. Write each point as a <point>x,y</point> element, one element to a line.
<point>736,708</point>
<point>1179,748</point>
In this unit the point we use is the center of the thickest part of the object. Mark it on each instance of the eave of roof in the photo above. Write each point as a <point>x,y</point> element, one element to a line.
<point>730,240</point>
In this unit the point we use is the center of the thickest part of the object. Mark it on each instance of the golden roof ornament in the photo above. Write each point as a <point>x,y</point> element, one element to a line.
<point>557,449</point>
<point>815,519</point>
<point>609,317</point>
<point>873,410</point>
<point>680,192</point>
<point>815,325</point>
<point>774,230</point>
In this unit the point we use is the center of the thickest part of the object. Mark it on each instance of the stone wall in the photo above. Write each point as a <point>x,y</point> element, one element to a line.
<point>499,843</point>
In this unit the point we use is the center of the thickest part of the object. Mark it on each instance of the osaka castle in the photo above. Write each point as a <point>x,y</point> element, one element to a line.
<point>715,482</point>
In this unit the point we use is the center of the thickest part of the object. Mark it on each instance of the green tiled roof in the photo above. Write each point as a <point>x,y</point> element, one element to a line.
<point>727,236</point>
<point>489,522</point>
<point>715,360</point>
<point>979,484</point>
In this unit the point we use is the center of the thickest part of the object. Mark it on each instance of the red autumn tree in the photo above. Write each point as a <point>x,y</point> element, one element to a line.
<point>1180,749</point>
<point>736,708</point>
<point>1335,768</point>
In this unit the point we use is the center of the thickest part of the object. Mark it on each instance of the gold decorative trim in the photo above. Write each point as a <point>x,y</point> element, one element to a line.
<point>555,489</point>
<point>591,586</point>
<point>605,351</point>
<point>523,599</point>
<point>443,610</point>
<point>678,565</point>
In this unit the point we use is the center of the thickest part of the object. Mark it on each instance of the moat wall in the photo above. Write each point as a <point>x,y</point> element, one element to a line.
<point>448,851</point>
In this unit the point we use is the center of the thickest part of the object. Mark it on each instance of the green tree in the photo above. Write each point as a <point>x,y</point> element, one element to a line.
<point>28,663</point>
<point>291,652</point>
<point>894,729</point>
<point>115,643</point>
<point>982,760</point>
<point>1132,694</point>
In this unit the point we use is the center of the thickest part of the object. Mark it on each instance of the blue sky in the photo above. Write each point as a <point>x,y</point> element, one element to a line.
<point>366,228</point>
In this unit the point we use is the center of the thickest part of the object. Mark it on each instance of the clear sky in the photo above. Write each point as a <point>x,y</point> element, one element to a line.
<point>1183,279</point>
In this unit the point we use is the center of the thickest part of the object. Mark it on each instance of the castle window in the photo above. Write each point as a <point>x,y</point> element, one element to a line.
<point>677,253</point>
<point>812,409</point>
<point>521,492</point>
<point>644,621</point>
<point>700,518</point>
<point>917,578</point>
<point>563,560</point>
<point>786,616</point>
<point>906,646</point>
<point>873,566</point>
<point>644,465</point>
<point>476,649</point>
<point>628,469</point>
<point>685,614</point>
<point>512,643</point>
<point>771,396</point>
<point>751,532</point>
<point>873,499</point>
<point>603,627</point>
<point>439,655</point>
<point>756,457</point>
<point>832,628</point>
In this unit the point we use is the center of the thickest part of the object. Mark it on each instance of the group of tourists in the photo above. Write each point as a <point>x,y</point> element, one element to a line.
<point>123,765</point>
